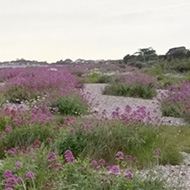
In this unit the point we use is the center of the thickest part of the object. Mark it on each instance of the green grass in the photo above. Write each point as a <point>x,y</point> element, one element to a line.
<point>97,78</point>
<point>170,109</point>
<point>135,90</point>
<point>71,105</point>
<point>2,99</point>
<point>163,79</point>
<point>25,136</point>
<point>17,94</point>
<point>137,140</point>
<point>80,175</point>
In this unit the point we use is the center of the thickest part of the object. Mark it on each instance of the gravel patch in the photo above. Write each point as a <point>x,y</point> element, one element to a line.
<point>100,102</point>
<point>176,177</point>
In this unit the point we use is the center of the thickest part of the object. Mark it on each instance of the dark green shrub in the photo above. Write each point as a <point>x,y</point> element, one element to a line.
<point>16,94</point>
<point>163,79</point>
<point>92,77</point>
<point>4,120</point>
<point>25,136</point>
<point>177,65</point>
<point>106,140</point>
<point>135,90</point>
<point>98,78</point>
<point>104,79</point>
<point>170,109</point>
<point>71,105</point>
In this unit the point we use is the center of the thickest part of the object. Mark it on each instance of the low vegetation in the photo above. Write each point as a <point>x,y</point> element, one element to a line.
<point>52,143</point>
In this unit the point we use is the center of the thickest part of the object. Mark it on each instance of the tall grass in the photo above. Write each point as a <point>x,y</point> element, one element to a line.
<point>135,90</point>
<point>134,139</point>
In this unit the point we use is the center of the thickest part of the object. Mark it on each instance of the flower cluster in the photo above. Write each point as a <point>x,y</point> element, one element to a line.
<point>69,158</point>
<point>138,114</point>
<point>97,165</point>
<point>140,78</point>
<point>12,179</point>
<point>52,158</point>
<point>119,156</point>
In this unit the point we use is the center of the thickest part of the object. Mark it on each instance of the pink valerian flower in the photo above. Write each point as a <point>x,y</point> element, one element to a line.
<point>30,175</point>
<point>56,109</point>
<point>36,144</point>
<point>134,159</point>
<point>18,164</point>
<point>157,151</point>
<point>11,180</point>
<point>128,175</point>
<point>11,151</point>
<point>8,129</point>
<point>102,162</point>
<point>129,157</point>
<point>70,121</point>
<point>49,139</point>
<point>7,173</point>
<point>69,157</point>
<point>4,148</point>
<point>19,179</point>
<point>119,156</point>
<point>114,170</point>
<point>58,165</point>
<point>23,150</point>
<point>52,157</point>
<point>108,168</point>
<point>94,163</point>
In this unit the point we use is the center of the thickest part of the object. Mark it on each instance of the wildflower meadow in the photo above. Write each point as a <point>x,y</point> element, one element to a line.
<point>52,138</point>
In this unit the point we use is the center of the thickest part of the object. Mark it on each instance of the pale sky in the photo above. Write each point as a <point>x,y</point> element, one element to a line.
<point>50,30</point>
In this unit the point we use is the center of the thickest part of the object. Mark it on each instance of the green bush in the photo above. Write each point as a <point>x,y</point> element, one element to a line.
<point>177,65</point>
<point>71,105</point>
<point>98,78</point>
<point>4,120</point>
<point>163,79</point>
<point>2,99</point>
<point>135,90</point>
<point>107,139</point>
<point>80,175</point>
<point>104,79</point>
<point>16,94</point>
<point>92,77</point>
<point>25,136</point>
<point>170,109</point>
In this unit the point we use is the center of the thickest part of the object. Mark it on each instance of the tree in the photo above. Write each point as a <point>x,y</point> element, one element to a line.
<point>146,55</point>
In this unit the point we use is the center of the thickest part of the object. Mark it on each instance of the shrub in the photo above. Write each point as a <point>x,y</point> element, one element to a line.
<point>25,136</point>
<point>92,77</point>
<point>163,79</point>
<point>71,105</point>
<point>98,78</point>
<point>104,79</point>
<point>17,94</point>
<point>176,65</point>
<point>171,110</point>
<point>140,78</point>
<point>135,90</point>
<point>176,101</point>
<point>40,172</point>
<point>106,140</point>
